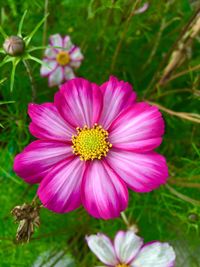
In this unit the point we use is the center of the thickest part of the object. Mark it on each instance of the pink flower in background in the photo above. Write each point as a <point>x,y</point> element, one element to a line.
<point>94,143</point>
<point>60,60</point>
<point>128,250</point>
<point>142,9</point>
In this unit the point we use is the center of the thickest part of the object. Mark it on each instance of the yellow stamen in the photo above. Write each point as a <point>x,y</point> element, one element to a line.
<point>63,58</point>
<point>122,265</point>
<point>91,143</point>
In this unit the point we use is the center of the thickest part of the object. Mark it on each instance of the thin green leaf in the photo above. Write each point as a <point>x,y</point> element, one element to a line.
<point>3,33</point>
<point>10,176</point>
<point>2,81</point>
<point>6,102</point>
<point>6,60</point>
<point>38,61</point>
<point>21,24</point>
<point>2,51</point>
<point>31,49</point>
<point>12,78</point>
<point>28,38</point>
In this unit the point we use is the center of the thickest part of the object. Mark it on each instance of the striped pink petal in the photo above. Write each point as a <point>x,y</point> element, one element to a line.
<point>50,53</point>
<point>56,40</point>
<point>138,128</point>
<point>142,172</point>
<point>104,195</point>
<point>67,43</point>
<point>79,102</point>
<point>56,77</point>
<point>59,191</point>
<point>117,95</point>
<point>48,67</point>
<point>48,124</point>
<point>38,158</point>
<point>75,54</point>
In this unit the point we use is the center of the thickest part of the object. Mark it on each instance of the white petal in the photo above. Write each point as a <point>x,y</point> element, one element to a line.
<point>49,66</point>
<point>56,77</point>
<point>75,54</point>
<point>102,247</point>
<point>67,43</point>
<point>75,64</point>
<point>68,73</point>
<point>127,245</point>
<point>155,254</point>
<point>50,53</point>
<point>56,40</point>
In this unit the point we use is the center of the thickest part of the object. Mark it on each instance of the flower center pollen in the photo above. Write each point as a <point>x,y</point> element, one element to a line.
<point>63,58</point>
<point>91,143</point>
<point>122,265</point>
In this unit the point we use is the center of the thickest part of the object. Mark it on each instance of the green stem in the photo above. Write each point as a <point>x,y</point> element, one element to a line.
<point>126,27</point>
<point>32,80</point>
<point>125,219</point>
<point>182,196</point>
<point>44,38</point>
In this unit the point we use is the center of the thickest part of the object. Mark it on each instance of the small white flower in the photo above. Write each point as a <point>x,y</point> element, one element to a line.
<point>128,250</point>
<point>60,59</point>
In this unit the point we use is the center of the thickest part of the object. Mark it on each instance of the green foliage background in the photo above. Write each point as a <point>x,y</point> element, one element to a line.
<point>102,27</point>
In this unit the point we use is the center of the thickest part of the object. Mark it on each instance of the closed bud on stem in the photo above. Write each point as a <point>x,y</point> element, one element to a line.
<point>14,46</point>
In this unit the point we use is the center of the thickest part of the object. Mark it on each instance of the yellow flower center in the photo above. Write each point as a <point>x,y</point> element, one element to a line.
<point>91,143</point>
<point>122,265</point>
<point>63,58</point>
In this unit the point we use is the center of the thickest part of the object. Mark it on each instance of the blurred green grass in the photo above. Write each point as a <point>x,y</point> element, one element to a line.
<point>98,26</point>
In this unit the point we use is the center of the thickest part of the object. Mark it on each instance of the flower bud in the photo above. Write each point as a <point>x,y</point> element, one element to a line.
<point>14,46</point>
<point>193,217</point>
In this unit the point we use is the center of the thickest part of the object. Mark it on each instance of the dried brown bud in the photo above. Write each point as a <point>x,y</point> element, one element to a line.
<point>28,216</point>
<point>14,46</point>
<point>193,217</point>
<point>134,228</point>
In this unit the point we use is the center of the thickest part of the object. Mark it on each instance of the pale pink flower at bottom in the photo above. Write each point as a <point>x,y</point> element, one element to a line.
<point>128,250</point>
<point>94,143</point>
<point>60,59</point>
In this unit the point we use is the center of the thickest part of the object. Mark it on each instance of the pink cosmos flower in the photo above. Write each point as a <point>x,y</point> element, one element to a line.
<point>94,143</point>
<point>128,250</point>
<point>60,60</point>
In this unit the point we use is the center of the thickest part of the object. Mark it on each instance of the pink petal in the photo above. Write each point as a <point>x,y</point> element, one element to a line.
<point>67,44</point>
<point>75,54</point>
<point>142,9</point>
<point>48,67</point>
<point>68,73</point>
<point>127,245</point>
<point>56,40</point>
<point>138,128</point>
<point>141,172</point>
<point>38,158</point>
<point>56,77</point>
<point>79,102</point>
<point>117,95</point>
<point>104,194</point>
<point>155,254</point>
<point>103,248</point>
<point>59,191</point>
<point>48,124</point>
